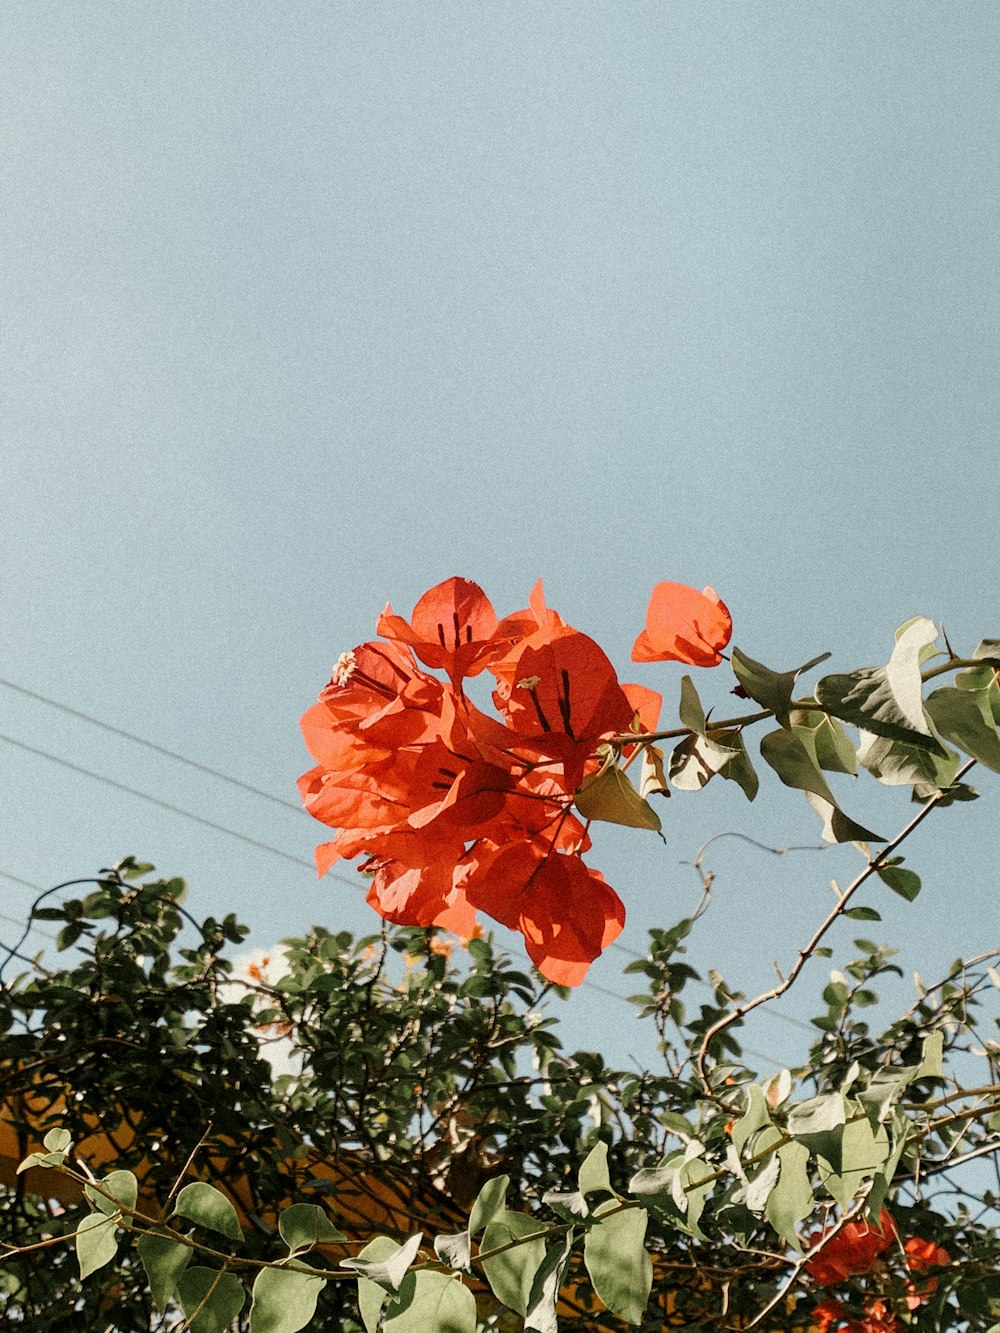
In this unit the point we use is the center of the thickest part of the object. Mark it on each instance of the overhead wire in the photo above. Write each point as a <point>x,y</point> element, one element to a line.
<point>228,779</point>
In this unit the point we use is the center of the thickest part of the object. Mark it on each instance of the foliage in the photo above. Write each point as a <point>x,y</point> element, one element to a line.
<point>429,1157</point>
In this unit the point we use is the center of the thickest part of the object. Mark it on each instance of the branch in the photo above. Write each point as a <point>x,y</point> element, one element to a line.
<point>809,949</point>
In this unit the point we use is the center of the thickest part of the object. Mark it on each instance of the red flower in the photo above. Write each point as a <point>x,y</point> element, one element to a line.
<point>851,1250</point>
<point>565,911</point>
<point>452,627</point>
<point>683,625</point>
<point>921,1254</point>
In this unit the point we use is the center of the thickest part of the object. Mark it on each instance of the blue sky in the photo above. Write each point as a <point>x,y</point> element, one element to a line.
<point>307,307</point>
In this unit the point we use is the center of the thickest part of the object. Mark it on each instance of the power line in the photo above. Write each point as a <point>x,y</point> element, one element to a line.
<point>152,745</point>
<point>155,800</point>
<point>227,778</point>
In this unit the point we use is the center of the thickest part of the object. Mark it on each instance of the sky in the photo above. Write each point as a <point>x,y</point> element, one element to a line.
<point>305,307</point>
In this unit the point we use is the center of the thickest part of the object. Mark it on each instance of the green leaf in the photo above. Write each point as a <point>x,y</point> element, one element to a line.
<point>304,1225</point>
<point>887,700</point>
<point>696,760</point>
<point>544,1298</point>
<point>790,759</point>
<point>826,740</point>
<point>614,1252</point>
<point>611,797</point>
<point>896,764</point>
<point>512,1274</point>
<point>791,1200</point>
<point>58,1140</point>
<point>164,1261</point>
<point>569,1204</point>
<point>432,1303</point>
<point>593,1174</point>
<point>816,1115</point>
<point>862,1151</point>
<point>862,914</point>
<point>903,882</point>
<point>124,1188</point>
<point>388,1273</point>
<point>283,1302</point>
<point>965,718</point>
<point>837,827</point>
<point>207,1207</point>
<point>218,1298</point>
<point>755,1117</point>
<point>698,1180</point>
<point>739,769</point>
<point>758,1188</point>
<point>96,1243</point>
<point>930,1065</point>
<point>884,1087</point>
<point>455,1250</point>
<point>691,713</point>
<point>489,1202</point>
<point>372,1297</point>
<point>770,689</point>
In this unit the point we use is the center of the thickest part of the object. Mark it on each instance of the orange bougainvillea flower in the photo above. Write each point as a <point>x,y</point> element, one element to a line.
<point>921,1254</point>
<point>851,1250</point>
<point>684,625</point>
<point>452,628</point>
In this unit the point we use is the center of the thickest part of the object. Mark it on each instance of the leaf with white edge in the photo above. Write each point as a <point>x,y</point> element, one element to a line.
<point>862,1152</point>
<point>544,1299</point>
<point>896,764</point>
<point>691,713</point>
<point>593,1174</point>
<point>838,827</point>
<point>304,1225</point>
<point>770,689</point>
<point>283,1301</point>
<point>164,1261</point>
<point>652,778</point>
<point>489,1202</point>
<point>884,1087</point>
<point>739,769</point>
<point>903,882</point>
<point>887,700</point>
<point>791,1200</point>
<point>931,1065</point>
<point>611,798</point>
<point>455,1250</point>
<point>817,1115</point>
<point>207,1207</point>
<point>58,1140</point>
<point>372,1297</point>
<point>696,760</point>
<point>759,1187</point>
<point>879,1189</point>
<point>39,1159</point>
<point>965,718</point>
<point>790,759</point>
<point>388,1273</point>
<point>432,1303</point>
<point>96,1243</point>
<point>512,1273</point>
<point>569,1204</point>
<point>124,1189</point>
<point>217,1297</point>
<point>755,1117</point>
<point>614,1252</point>
<point>698,1179</point>
<point>826,740</point>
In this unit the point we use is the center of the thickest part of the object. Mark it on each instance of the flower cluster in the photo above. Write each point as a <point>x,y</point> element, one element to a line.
<point>455,810</point>
<point>852,1252</point>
